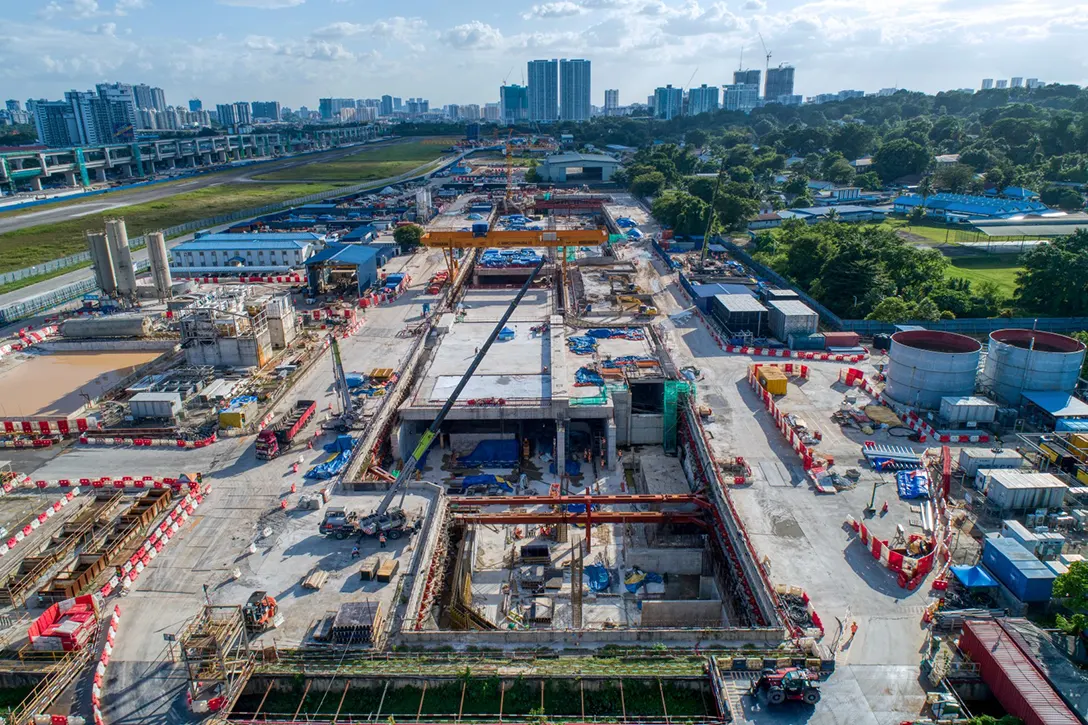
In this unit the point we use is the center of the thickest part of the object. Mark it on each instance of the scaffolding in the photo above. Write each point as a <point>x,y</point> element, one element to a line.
<point>676,394</point>
<point>215,651</point>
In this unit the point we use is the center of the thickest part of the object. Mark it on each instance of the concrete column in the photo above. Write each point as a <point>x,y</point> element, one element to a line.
<point>70,178</point>
<point>610,438</point>
<point>36,183</point>
<point>128,171</point>
<point>560,447</point>
<point>206,159</point>
<point>100,174</point>
<point>173,164</point>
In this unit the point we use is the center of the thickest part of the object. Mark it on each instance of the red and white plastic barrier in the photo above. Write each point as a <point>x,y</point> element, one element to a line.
<point>36,523</point>
<point>127,483</point>
<point>293,278</point>
<point>153,545</point>
<point>910,570</point>
<point>149,442</point>
<point>28,338</point>
<point>59,426</point>
<point>100,669</point>
<point>914,421</point>
<point>808,457</point>
<point>817,623</point>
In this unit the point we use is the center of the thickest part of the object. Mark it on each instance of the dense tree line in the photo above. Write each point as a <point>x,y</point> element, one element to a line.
<point>1054,279</point>
<point>868,271</point>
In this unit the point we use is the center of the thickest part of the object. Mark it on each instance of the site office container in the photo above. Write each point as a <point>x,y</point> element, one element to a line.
<point>968,409</point>
<point>1012,675</point>
<point>1029,579</point>
<point>1022,491</point>
<point>842,339</point>
<point>974,459</point>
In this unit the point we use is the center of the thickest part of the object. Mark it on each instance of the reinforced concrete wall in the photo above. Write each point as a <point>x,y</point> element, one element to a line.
<point>666,561</point>
<point>682,613</point>
<point>647,429</point>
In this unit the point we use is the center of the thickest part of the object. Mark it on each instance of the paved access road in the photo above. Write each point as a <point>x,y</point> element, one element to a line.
<point>105,202</point>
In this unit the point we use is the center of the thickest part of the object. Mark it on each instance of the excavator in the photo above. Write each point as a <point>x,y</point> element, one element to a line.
<point>634,304</point>
<point>386,515</point>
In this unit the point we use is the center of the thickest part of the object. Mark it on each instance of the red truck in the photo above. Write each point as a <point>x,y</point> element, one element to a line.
<point>277,438</point>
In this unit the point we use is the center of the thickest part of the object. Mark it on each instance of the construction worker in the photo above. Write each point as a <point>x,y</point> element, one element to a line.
<point>381,540</point>
<point>355,552</point>
<point>853,630</point>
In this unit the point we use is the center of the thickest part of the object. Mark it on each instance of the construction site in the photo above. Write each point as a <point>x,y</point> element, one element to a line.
<point>549,464</point>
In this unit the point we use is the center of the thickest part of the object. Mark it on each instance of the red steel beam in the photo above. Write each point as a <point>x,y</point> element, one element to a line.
<point>597,517</point>
<point>609,499</point>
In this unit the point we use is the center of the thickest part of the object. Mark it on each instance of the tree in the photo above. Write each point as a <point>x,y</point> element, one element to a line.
<point>954,177</point>
<point>891,309</point>
<point>916,216</point>
<point>696,137</point>
<point>1054,278</point>
<point>1072,587</point>
<point>797,185</point>
<point>532,174</point>
<point>840,172</point>
<point>900,157</point>
<point>734,211</point>
<point>1062,197</point>
<point>852,140</point>
<point>741,173</point>
<point>649,184</point>
<point>408,236</point>
<point>869,181</point>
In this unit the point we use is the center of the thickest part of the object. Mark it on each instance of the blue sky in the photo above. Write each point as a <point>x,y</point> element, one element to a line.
<point>459,51</point>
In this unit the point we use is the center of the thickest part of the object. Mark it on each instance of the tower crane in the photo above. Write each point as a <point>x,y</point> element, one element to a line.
<point>767,69</point>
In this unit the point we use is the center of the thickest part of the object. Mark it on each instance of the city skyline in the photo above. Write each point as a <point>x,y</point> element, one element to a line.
<point>294,51</point>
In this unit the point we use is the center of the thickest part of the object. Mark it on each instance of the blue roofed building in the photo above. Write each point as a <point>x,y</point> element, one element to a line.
<point>961,207</point>
<point>843,213</point>
<point>243,253</point>
<point>363,233</point>
<point>343,266</point>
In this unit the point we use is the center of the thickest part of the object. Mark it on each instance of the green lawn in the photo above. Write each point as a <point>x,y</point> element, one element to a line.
<point>34,245</point>
<point>931,231</point>
<point>378,162</point>
<point>998,268</point>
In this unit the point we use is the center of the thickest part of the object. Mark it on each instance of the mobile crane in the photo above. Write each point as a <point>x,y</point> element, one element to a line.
<point>347,405</point>
<point>390,519</point>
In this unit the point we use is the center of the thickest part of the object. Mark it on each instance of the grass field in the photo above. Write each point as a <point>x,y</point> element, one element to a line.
<point>998,268</point>
<point>34,245</point>
<point>369,164</point>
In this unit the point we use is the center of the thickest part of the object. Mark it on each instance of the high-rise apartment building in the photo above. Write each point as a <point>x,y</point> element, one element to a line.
<point>702,99</point>
<point>514,102</point>
<point>751,76</point>
<point>544,90</point>
<point>330,108</point>
<point>1034,83</point>
<point>574,90</point>
<point>987,84</point>
<point>668,102</point>
<point>779,84</point>
<point>1002,83</point>
<point>12,105</point>
<point>267,110</point>
<point>56,123</point>
<point>195,105</point>
<point>493,112</point>
<point>740,97</point>
<point>120,109</point>
<point>611,101</point>
<point>1017,82</point>
<point>386,108</point>
<point>470,112</point>
<point>226,114</point>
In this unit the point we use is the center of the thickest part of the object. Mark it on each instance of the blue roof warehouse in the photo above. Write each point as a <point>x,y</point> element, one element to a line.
<point>264,253</point>
<point>955,207</point>
<point>342,266</point>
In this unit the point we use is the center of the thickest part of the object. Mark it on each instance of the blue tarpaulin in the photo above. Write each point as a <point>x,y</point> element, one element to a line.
<point>485,479</point>
<point>603,333</point>
<point>573,468</point>
<point>581,344</point>
<point>973,577</point>
<point>597,577</point>
<point>505,334</point>
<point>638,579</point>
<point>585,376</point>
<point>912,484</point>
<point>492,454</point>
<point>580,508</point>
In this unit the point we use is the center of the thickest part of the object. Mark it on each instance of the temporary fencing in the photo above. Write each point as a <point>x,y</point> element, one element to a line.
<point>99,683</point>
<point>149,442</point>
<point>28,338</point>
<point>807,454</point>
<point>796,597</point>
<point>36,522</point>
<point>187,482</point>
<point>911,570</point>
<point>293,278</point>
<point>912,419</point>
<point>153,544</point>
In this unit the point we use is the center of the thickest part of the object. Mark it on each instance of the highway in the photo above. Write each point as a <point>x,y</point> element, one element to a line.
<point>63,212</point>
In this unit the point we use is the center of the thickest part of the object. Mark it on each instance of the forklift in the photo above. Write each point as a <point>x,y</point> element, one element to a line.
<point>787,684</point>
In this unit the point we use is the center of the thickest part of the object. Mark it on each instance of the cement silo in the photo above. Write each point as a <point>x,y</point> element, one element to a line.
<point>160,265</point>
<point>1019,361</point>
<point>102,262</point>
<point>117,236</point>
<point>926,365</point>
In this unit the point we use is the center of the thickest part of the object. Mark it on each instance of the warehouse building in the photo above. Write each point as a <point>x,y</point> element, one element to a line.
<point>343,266</point>
<point>225,254</point>
<point>960,207</point>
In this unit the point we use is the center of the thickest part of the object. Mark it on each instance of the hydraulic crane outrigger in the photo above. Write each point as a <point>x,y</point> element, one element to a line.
<point>384,510</point>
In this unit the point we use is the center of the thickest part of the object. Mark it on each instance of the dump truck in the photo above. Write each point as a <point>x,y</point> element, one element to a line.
<point>278,437</point>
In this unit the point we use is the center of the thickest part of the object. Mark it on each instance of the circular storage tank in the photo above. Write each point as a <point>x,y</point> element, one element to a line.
<point>926,365</point>
<point>127,326</point>
<point>1026,360</point>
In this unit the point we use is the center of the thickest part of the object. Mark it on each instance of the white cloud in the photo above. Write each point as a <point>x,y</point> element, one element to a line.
<point>108,29</point>
<point>755,5</point>
<point>84,8</point>
<point>341,29</point>
<point>475,34</point>
<point>560,9</point>
<point>262,4</point>
<point>123,7</point>
<point>50,11</point>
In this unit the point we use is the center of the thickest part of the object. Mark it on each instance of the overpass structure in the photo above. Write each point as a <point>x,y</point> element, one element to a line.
<point>146,158</point>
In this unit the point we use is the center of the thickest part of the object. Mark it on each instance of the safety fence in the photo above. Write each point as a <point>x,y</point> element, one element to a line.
<point>32,306</point>
<point>99,682</point>
<point>910,570</point>
<point>189,483</point>
<point>149,442</point>
<point>974,325</point>
<point>806,452</point>
<point>35,523</point>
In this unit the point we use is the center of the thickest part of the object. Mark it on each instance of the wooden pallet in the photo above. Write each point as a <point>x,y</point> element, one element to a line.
<point>315,579</point>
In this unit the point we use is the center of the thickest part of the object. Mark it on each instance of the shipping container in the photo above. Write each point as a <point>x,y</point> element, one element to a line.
<point>1018,532</point>
<point>739,313</point>
<point>968,409</point>
<point>158,406</point>
<point>1012,491</point>
<point>1068,559</point>
<point>1026,577</point>
<point>974,459</point>
<point>772,379</point>
<point>1012,676</point>
<point>1057,567</point>
<point>805,342</point>
<point>842,339</point>
<point>791,317</point>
